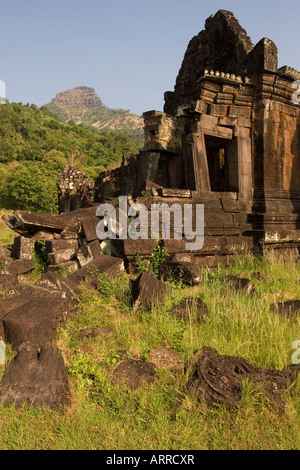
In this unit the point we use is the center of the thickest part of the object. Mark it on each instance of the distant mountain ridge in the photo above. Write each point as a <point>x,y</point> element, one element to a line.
<point>83,106</point>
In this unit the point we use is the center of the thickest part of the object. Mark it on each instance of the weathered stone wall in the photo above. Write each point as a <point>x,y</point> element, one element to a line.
<point>75,189</point>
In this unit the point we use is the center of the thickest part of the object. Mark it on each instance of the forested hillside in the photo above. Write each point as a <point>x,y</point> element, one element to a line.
<point>35,146</point>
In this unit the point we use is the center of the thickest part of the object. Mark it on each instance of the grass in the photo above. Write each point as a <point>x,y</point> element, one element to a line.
<point>162,416</point>
<point>6,234</point>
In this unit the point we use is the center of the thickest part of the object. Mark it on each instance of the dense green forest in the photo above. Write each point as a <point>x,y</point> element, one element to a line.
<point>35,146</point>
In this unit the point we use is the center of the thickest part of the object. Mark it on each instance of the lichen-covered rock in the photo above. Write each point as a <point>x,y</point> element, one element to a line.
<point>219,379</point>
<point>134,373</point>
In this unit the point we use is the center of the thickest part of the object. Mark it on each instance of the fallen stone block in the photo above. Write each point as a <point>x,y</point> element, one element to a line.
<point>287,308</point>
<point>17,267</point>
<point>8,284</point>
<point>134,373</point>
<point>186,272</point>
<point>79,214</point>
<point>219,379</point>
<point>241,283</point>
<point>89,226</point>
<point>24,221</point>
<point>129,247</point>
<point>54,281</point>
<point>61,256</point>
<point>36,321</point>
<point>191,309</point>
<point>22,248</point>
<point>33,290</point>
<point>68,267</point>
<point>53,246</point>
<point>9,304</point>
<point>36,377</point>
<point>67,235</point>
<point>110,265</point>
<point>71,232</point>
<point>32,222</point>
<point>147,291</point>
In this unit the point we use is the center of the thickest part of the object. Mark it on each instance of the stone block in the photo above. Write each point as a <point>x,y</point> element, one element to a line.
<point>54,280</point>
<point>186,272</point>
<point>36,377</point>
<point>134,373</point>
<point>8,284</point>
<point>89,226</point>
<point>61,256</point>
<point>239,111</point>
<point>166,358</point>
<point>22,248</point>
<point>110,265</point>
<point>17,267</point>
<point>147,291</point>
<point>35,321</point>
<point>201,107</point>
<point>68,267</point>
<point>218,110</point>
<point>53,246</point>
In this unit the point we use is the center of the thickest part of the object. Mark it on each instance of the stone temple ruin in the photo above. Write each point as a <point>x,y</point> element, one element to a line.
<point>229,138</point>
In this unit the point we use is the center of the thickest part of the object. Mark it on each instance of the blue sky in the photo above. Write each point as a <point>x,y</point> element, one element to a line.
<point>129,51</point>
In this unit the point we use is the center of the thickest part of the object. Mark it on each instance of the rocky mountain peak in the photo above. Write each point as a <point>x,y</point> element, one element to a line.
<point>82,105</point>
<point>80,99</point>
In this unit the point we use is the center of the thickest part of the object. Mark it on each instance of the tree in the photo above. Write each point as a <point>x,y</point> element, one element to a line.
<point>32,186</point>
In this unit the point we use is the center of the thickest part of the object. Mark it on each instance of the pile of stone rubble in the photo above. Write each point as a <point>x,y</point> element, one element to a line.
<point>30,315</point>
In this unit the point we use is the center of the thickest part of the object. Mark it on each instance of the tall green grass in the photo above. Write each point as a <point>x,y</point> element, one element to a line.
<point>104,415</point>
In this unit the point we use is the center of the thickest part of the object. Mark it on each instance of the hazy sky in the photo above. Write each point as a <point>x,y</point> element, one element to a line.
<point>129,51</point>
